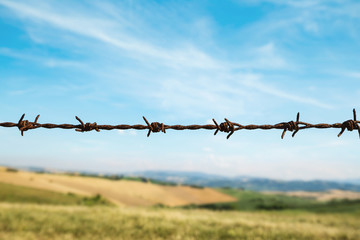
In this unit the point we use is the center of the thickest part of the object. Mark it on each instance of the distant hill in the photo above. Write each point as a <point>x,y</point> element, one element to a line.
<point>213,180</point>
<point>352,181</point>
<point>249,183</point>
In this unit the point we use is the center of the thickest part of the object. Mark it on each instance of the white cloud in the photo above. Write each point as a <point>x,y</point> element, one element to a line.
<point>45,61</point>
<point>352,74</point>
<point>131,132</point>
<point>281,94</point>
<point>178,75</point>
<point>102,30</point>
<point>207,149</point>
<point>267,57</point>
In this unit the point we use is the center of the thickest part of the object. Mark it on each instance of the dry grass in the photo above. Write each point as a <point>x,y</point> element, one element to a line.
<point>122,193</point>
<point>64,222</point>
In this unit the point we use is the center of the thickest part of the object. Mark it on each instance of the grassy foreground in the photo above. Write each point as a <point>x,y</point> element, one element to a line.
<point>29,213</point>
<point>30,221</point>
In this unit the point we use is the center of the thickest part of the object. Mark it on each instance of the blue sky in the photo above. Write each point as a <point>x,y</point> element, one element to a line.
<point>182,62</point>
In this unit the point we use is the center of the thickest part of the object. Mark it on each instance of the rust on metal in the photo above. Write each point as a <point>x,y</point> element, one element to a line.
<point>24,125</point>
<point>154,127</point>
<point>87,126</point>
<point>226,126</point>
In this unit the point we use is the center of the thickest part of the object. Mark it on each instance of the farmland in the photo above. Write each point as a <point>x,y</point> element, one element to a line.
<point>29,221</point>
<point>253,201</point>
<point>119,192</point>
<point>18,194</point>
<point>36,213</point>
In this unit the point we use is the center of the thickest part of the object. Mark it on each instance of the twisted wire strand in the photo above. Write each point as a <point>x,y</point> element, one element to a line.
<point>226,126</point>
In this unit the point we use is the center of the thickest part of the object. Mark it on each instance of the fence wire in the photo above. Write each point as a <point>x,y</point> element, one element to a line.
<point>226,126</point>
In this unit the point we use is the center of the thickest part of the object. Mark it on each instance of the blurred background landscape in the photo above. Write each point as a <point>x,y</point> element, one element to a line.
<point>191,204</point>
<point>176,62</point>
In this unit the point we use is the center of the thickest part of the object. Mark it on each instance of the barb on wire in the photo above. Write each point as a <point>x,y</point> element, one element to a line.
<point>24,125</point>
<point>350,125</point>
<point>87,126</point>
<point>226,126</point>
<point>154,127</point>
<point>291,126</point>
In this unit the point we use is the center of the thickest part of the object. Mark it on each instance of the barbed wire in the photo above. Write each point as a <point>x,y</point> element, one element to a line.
<point>227,126</point>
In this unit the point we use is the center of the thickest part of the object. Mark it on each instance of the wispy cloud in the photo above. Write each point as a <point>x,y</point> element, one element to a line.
<point>45,61</point>
<point>351,74</point>
<point>281,94</point>
<point>128,132</point>
<point>206,79</point>
<point>103,30</point>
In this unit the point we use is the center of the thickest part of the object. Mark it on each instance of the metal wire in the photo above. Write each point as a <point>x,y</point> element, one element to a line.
<point>227,126</point>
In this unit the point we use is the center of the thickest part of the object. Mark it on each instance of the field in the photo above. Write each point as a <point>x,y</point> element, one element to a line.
<point>34,213</point>
<point>18,194</point>
<point>253,201</point>
<point>119,192</point>
<point>27,221</point>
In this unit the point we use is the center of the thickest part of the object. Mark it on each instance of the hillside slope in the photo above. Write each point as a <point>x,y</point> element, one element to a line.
<point>123,193</point>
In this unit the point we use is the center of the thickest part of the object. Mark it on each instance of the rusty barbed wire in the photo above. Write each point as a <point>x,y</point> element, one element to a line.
<point>227,126</point>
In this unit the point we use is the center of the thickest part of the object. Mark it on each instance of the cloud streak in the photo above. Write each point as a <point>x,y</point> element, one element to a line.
<point>186,58</point>
<point>45,61</point>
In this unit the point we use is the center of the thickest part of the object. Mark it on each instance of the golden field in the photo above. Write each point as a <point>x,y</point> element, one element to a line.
<point>29,211</point>
<point>121,193</point>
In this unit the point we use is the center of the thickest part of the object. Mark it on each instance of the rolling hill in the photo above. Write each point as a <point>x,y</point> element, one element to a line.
<point>119,192</point>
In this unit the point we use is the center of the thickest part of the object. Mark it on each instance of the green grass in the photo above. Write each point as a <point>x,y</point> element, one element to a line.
<point>28,213</point>
<point>19,194</point>
<point>25,221</point>
<point>335,206</point>
<point>251,201</point>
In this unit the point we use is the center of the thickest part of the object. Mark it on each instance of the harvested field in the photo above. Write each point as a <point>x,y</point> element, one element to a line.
<point>120,192</point>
